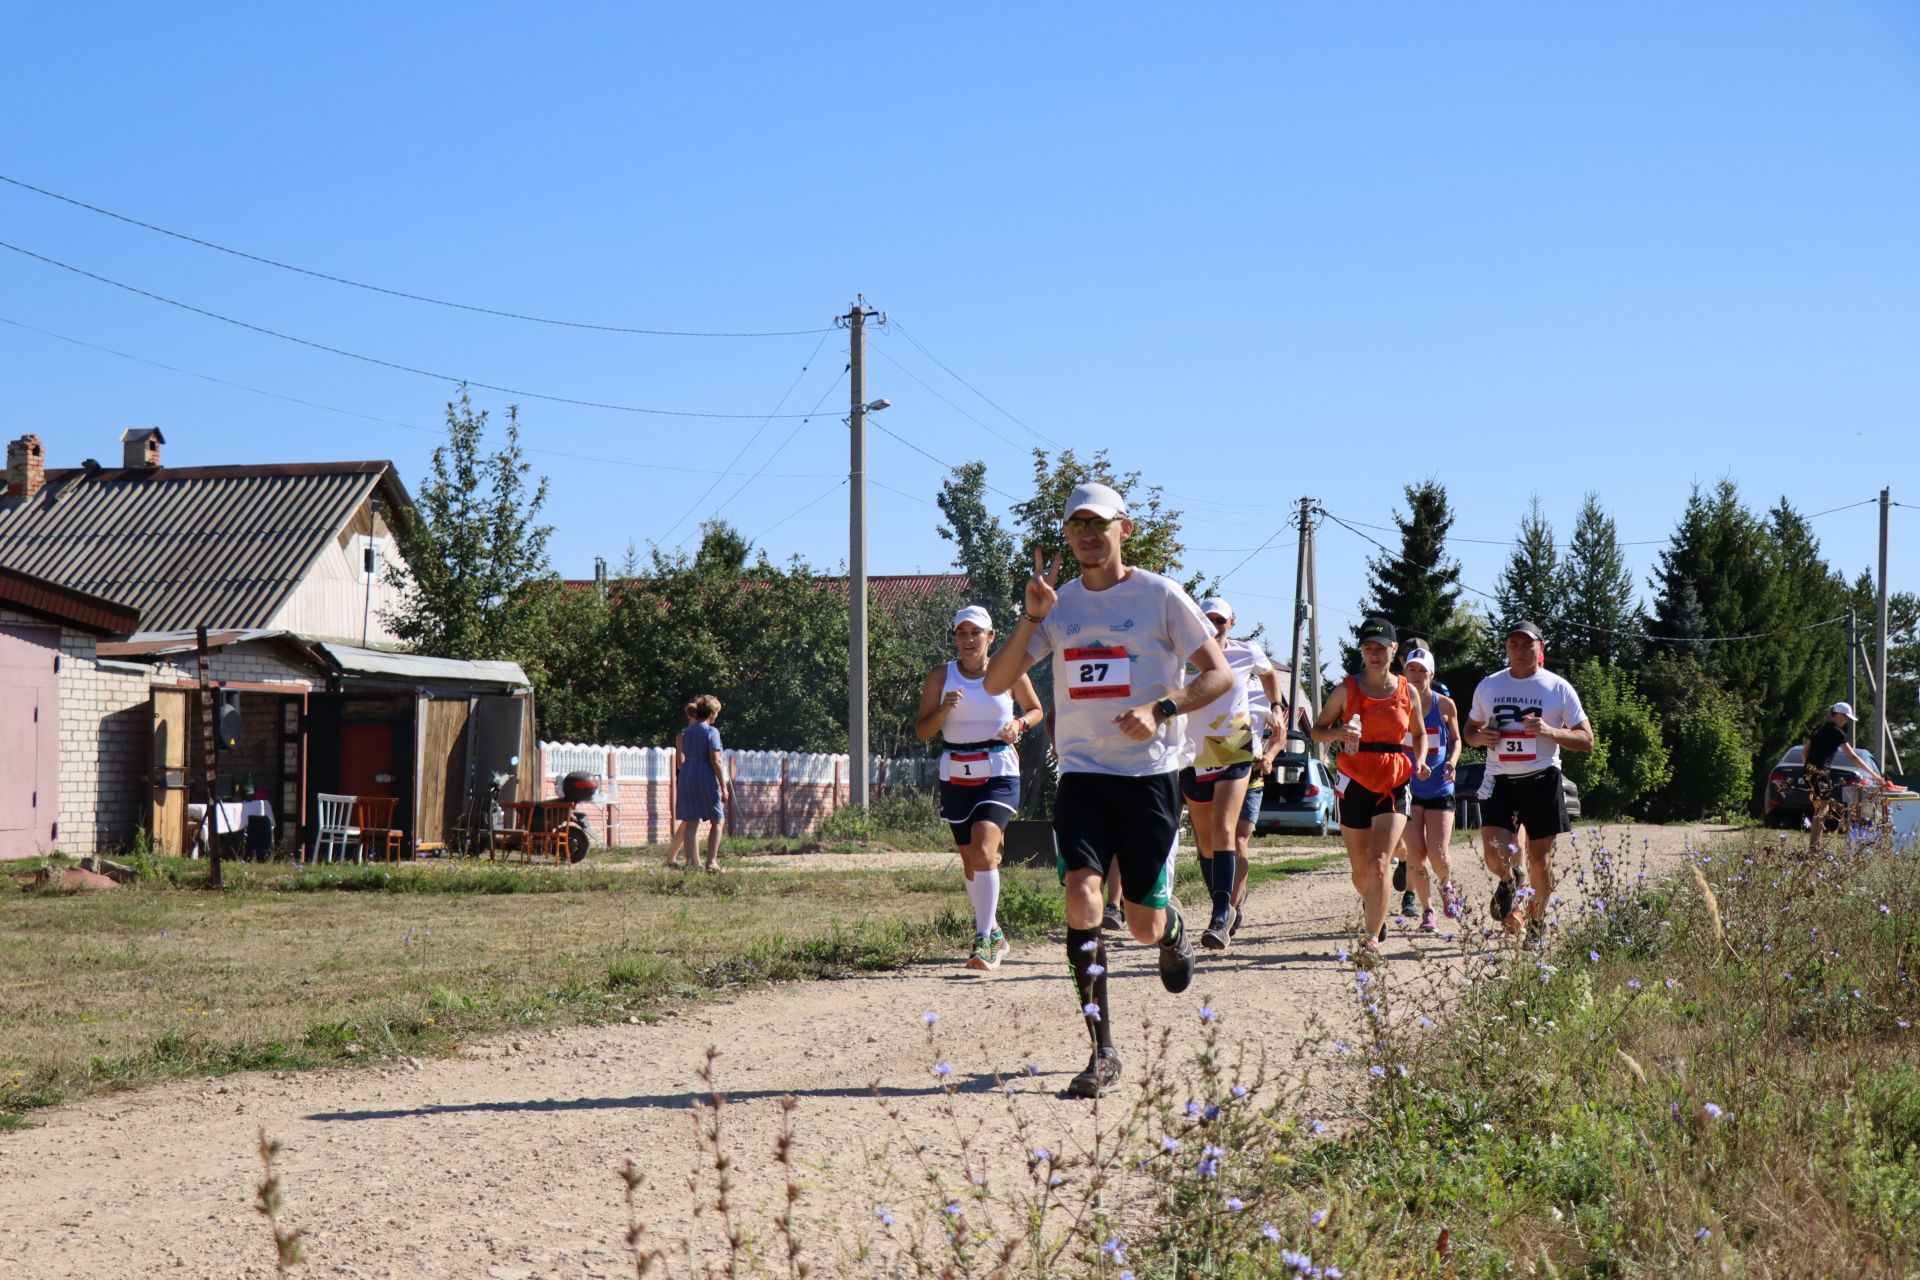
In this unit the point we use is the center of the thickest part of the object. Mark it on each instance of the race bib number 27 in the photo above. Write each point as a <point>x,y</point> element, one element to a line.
<point>1098,671</point>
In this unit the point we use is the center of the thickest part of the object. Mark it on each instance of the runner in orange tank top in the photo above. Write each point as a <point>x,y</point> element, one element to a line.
<point>1375,716</point>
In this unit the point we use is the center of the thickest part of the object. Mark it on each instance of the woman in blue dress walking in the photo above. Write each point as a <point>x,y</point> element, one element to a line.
<point>702,793</point>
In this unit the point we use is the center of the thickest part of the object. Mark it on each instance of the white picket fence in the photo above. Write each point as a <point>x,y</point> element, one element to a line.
<point>776,793</point>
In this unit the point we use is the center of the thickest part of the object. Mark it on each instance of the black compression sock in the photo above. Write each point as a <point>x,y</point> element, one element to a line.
<point>1220,880</point>
<point>1088,956</point>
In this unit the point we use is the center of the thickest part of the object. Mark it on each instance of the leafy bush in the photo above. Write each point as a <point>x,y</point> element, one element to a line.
<point>1629,762</point>
<point>898,816</point>
<point>1705,731</point>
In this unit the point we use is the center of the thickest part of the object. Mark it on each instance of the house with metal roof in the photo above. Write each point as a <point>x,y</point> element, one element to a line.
<point>285,568</point>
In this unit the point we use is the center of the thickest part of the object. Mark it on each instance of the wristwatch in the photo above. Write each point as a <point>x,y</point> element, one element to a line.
<point>1166,708</point>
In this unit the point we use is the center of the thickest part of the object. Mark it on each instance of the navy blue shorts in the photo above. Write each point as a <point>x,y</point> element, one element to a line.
<point>1200,790</point>
<point>993,800</point>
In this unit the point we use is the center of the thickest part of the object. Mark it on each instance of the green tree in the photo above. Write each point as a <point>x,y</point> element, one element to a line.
<point>1601,619</point>
<point>1629,762</point>
<point>1705,732</point>
<point>1154,544</point>
<point>1530,585</point>
<point>1418,590</point>
<point>473,547</point>
<point>983,549</point>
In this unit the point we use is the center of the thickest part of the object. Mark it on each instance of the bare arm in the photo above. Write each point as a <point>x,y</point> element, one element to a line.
<point>1270,681</point>
<point>1450,716</point>
<point>1215,678</point>
<point>1862,765</point>
<point>720,775</point>
<point>933,707</point>
<point>1010,662</point>
<point>1329,727</point>
<point>1578,738</point>
<point>1418,730</point>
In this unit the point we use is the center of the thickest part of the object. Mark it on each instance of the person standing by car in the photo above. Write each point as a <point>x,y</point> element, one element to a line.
<point>1121,639</point>
<point>1374,716</point>
<point>702,792</point>
<point>1430,824</point>
<point>1827,741</point>
<point>979,769</point>
<point>1524,715</point>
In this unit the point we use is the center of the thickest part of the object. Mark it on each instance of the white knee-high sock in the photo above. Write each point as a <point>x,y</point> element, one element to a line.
<point>984,889</point>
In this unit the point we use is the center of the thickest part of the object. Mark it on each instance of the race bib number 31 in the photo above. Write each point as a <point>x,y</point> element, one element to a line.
<point>1516,747</point>
<point>1098,671</point>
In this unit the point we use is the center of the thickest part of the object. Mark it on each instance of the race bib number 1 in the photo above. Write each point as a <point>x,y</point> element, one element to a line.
<point>1098,671</point>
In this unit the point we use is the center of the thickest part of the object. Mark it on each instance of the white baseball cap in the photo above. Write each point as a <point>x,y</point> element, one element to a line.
<point>1215,604</point>
<point>975,614</point>
<point>1097,498</point>
<point>1422,656</point>
<point>1840,709</point>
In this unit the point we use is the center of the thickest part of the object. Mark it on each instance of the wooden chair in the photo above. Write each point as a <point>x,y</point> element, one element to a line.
<point>373,815</point>
<point>337,831</point>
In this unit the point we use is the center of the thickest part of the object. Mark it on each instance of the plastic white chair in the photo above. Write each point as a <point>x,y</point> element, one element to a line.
<point>337,831</point>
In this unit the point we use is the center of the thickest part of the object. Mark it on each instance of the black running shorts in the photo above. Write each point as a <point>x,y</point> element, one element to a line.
<point>1534,801</point>
<point>1359,805</point>
<point>1200,790</point>
<point>1099,816</point>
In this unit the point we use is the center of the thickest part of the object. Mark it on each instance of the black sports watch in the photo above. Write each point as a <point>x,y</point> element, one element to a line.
<point>1167,708</point>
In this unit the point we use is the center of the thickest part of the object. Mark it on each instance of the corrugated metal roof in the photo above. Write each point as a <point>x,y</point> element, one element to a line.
<point>220,546</point>
<point>355,661</point>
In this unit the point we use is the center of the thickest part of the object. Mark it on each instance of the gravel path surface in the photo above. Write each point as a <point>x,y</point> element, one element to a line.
<point>504,1162</point>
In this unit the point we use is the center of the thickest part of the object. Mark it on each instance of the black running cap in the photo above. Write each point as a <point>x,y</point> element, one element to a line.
<point>1377,629</point>
<point>1526,629</point>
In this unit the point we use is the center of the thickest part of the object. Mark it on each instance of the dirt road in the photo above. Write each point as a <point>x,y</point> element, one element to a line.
<point>503,1163</point>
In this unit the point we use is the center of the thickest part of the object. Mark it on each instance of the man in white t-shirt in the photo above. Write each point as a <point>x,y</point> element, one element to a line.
<point>1524,716</point>
<point>1121,640</point>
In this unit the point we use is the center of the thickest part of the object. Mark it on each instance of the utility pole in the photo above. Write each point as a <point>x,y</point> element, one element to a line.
<point>1299,622</point>
<point>857,767</point>
<point>1853,654</point>
<point>1882,729</point>
<point>1314,692</point>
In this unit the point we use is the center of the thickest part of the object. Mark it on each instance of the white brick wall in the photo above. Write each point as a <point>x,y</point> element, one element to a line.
<point>106,731</point>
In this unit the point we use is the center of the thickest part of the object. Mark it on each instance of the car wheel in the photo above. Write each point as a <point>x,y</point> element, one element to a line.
<point>1320,827</point>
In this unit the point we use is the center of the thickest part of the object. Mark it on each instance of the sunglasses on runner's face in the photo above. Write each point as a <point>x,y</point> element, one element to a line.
<point>1088,524</point>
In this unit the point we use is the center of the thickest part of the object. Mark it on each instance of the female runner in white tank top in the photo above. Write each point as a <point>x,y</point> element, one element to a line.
<point>979,769</point>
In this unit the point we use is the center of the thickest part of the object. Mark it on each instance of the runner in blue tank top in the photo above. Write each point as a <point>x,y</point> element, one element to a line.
<point>1430,825</point>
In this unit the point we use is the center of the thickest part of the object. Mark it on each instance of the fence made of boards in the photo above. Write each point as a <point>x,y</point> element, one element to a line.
<point>775,793</point>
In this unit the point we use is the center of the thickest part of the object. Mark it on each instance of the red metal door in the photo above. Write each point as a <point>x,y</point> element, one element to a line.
<point>29,740</point>
<point>366,759</point>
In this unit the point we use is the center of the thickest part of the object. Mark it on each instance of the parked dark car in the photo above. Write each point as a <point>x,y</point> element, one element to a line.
<point>1466,795</point>
<point>1787,803</point>
<point>1298,796</point>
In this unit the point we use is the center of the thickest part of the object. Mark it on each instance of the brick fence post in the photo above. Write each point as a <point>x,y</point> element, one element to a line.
<point>783,795</point>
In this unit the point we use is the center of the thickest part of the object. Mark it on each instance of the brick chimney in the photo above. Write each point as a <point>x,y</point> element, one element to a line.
<point>140,448</point>
<point>26,467</point>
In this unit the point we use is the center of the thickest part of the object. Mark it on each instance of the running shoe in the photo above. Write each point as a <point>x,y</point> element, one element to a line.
<point>1502,905</point>
<point>982,955</point>
<point>1219,930</point>
<point>1427,922</point>
<point>1399,876</point>
<point>1409,903</point>
<point>1115,920</point>
<point>1176,959</point>
<point>1102,1073</point>
<point>1452,906</point>
<point>1000,948</point>
<point>1536,935</point>
<point>1383,933</point>
<point>1239,918</point>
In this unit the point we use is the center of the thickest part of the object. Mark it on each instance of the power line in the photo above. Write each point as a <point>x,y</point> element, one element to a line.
<point>1585,626</point>
<point>922,348</point>
<point>949,467</point>
<point>375,360</point>
<point>778,450</point>
<point>882,353</point>
<point>881,484</point>
<point>833,488</point>
<point>394,293</point>
<point>375,418</point>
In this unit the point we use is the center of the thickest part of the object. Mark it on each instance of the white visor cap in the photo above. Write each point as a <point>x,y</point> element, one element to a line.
<point>973,613</point>
<point>1422,656</point>
<point>1214,604</point>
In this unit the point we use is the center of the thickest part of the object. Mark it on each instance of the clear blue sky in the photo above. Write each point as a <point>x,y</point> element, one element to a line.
<point>1256,251</point>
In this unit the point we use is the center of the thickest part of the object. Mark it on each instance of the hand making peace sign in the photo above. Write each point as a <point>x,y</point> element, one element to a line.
<point>1041,597</point>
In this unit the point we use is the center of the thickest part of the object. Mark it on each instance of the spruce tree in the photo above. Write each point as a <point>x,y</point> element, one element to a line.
<point>1418,590</point>
<point>1601,619</point>
<point>1530,585</point>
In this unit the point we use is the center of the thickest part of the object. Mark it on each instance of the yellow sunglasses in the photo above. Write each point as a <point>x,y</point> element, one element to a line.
<point>1088,524</point>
